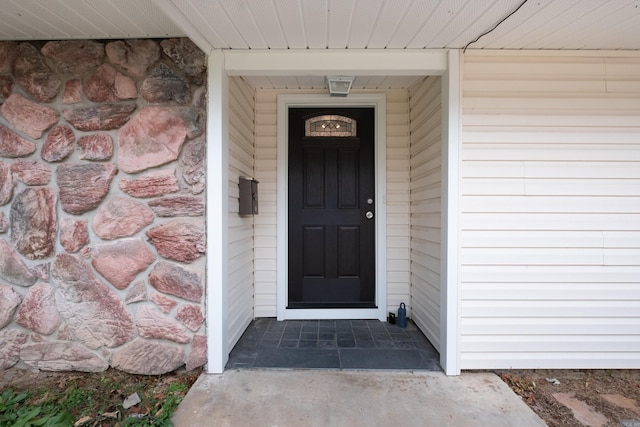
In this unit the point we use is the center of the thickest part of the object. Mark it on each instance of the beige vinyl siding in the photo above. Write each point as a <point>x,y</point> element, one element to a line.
<point>398,176</point>
<point>426,157</point>
<point>550,211</point>
<point>397,199</point>
<point>265,221</point>
<point>241,229</point>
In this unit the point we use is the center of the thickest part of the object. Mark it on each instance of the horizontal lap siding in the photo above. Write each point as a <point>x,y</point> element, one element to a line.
<point>397,199</point>
<point>241,233</point>
<point>425,107</point>
<point>550,212</point>
<point>266,224</point>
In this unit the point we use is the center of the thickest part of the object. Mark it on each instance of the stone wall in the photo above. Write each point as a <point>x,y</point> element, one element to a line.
<point>102,234</point>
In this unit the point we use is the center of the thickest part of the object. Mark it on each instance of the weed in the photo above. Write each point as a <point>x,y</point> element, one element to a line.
<point>14,413</point>
<point>8,406</point>
<point>160,415</point>
<point>78,400</point>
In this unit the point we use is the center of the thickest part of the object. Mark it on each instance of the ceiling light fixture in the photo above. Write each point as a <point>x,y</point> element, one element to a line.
<point>339,85</point>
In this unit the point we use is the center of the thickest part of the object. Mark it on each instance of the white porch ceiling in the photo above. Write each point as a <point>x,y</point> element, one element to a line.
<point>334,24</point>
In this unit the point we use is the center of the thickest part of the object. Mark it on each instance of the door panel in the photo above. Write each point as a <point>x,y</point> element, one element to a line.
<point>348,251</point>
<point>312,252</point>
<point>313,169</point>
<point>348,172</point>
<point>331,240</point>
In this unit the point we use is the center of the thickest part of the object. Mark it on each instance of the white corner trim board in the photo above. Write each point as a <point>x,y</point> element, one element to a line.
<point>449,316</point>
<point>378,101</point>
<point>217,214</point>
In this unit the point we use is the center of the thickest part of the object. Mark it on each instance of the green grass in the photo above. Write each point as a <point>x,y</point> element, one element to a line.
<point>95,400</point>
<point>14,413</point>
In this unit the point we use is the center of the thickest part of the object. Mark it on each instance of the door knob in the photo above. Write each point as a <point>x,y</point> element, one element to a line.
<point>369,214</point>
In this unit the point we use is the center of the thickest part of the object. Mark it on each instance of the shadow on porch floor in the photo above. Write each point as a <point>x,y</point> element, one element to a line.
<point>333,344</point>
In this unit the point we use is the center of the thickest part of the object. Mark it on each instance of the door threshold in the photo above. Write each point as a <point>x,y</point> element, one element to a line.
<point>333,313</point>
<point>319,306</point>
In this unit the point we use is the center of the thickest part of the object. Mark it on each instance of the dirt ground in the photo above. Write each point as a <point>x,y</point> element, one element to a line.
<point>537,387</point>
<point>93,396</point>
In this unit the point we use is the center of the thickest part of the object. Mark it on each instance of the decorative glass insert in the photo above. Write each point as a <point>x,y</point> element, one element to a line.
<point>330,125</point>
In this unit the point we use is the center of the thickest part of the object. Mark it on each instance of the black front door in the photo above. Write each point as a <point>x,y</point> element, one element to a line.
<point>331,208</point>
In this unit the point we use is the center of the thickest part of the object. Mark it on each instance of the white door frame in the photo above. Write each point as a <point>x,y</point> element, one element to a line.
<point>378,102</point>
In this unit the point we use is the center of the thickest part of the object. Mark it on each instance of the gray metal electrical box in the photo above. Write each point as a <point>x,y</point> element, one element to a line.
<point>248,196</point>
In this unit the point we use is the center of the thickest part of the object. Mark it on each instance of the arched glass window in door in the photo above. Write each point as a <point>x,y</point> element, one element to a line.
<point>330,125</point>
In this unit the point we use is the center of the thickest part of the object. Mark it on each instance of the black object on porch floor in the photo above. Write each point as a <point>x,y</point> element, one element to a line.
<point>333,344</point>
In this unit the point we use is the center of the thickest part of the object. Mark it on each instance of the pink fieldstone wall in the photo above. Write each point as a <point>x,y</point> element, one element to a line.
<point>102,231</point>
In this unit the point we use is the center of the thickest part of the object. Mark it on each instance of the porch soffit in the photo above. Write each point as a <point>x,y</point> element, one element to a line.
<point>335,24</point>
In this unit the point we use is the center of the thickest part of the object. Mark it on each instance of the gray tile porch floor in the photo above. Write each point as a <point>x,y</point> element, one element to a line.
<point>333,344</point>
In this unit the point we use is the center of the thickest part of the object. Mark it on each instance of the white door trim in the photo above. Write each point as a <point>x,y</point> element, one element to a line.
<point>322,62</point>
<point>378,102</point>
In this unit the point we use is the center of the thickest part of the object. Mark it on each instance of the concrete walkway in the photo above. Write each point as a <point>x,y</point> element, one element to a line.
<point>321,398</point>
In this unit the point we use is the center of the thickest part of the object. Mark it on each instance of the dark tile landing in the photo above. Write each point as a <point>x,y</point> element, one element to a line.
<point>333,344</point>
